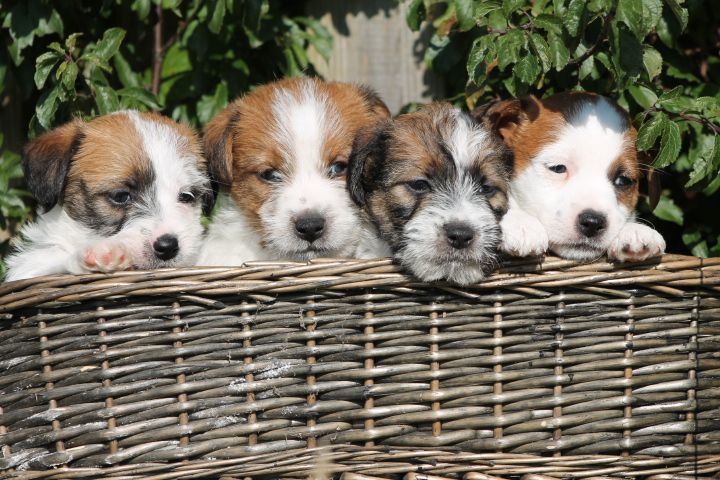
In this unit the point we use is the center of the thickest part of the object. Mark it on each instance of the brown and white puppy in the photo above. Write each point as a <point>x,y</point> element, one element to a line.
<point>122,191</point>
<point>575,178</point>
<point>281,154</point>
<point>433,182</point>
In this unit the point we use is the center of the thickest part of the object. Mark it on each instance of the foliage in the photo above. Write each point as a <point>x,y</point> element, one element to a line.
<point>658,58</point>
<point>186,58</point>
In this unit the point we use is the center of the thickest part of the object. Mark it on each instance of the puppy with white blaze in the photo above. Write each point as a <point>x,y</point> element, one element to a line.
<point>122,191</point>
<point>575,178</point>
<point>433,183</point>
<point>280,154</point>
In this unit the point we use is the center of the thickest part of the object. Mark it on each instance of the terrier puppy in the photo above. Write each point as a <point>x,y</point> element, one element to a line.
<point>281,153</point>
<point>122,191</point>
<point>433,183</point>
<point>575,178</point>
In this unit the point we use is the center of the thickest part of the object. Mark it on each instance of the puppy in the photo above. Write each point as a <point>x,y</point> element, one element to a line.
<point>122,191</point>
<point>434,184</point>
<point>281,154</point>
<point>575,178</point>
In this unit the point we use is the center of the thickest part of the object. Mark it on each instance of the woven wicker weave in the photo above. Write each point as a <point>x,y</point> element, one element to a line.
<point>350,369</point>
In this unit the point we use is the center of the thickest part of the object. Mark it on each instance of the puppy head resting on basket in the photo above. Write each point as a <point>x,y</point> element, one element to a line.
<point>575,178</point>
<point>122,191</point>
<point>281,152</point>
<point>434,184</point>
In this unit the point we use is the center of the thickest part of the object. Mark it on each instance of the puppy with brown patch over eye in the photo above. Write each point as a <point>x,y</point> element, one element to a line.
<point>575,178</point>
<point>433,182</point>
<point>281,154</point>
<point>122,191</point>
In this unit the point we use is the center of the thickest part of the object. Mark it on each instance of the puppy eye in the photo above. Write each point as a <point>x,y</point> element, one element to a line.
<point>186,197</point>
<point>621,181</point>
<point>487,189</point>
<point>419,186</point>
<point>120,197</point>
<point>338,169</point>
<point>271,175</point>
<point>558,168</point>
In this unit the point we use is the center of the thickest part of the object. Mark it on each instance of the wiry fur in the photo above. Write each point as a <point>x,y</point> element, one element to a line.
<point>592,138</point>
<point>466,170</point>
<point>149,156</point>
<point>298,128</point>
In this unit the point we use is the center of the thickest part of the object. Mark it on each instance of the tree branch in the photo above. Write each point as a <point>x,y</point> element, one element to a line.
<point>595,46</point>
<point>158,51</point>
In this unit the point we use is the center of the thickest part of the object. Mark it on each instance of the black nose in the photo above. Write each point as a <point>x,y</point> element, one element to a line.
<point>166,247</point>
<point>309,226</point>
<point>459,235</point>
<point>591,223</point>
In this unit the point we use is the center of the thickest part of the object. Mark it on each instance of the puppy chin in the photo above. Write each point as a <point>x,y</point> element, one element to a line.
<point>580,252</point>
<point>431,260</point>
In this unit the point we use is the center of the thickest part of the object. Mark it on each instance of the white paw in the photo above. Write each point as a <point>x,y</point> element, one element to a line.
<point>523,235</point>
<point>636,242</point>
<point>106,257</point>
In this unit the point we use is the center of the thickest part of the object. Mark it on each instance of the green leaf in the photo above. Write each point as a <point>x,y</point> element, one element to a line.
<point>650,131</point>
<point>668,211</point>
<point>509,45</point>
<point>485,7</point>
<point>415,14</point>
<point>652,61</point>
<point>482,48</point>
<point>110,43</point>
<point>641,16</point>
<point>680,13</point>
<point>644,97</point>
<point>43,66</point>
<point>464,10</point>
<point>69,76</point>
<point>47,106</point>
<point>542,50</point>
<point>253,13</point>
<point>559,53</point>
<point>674,93</point>
<point>573,17</point>
<point>218,15</point>
<point>549,23</point>
<point>630,54</point>
<point>511,6</point>
<point>211,105</point>
<point>139,96</point>
<point>587,67</point>
<point>669,145</point>
<point>142,7</point>
<point>527,69</point>
<point>106,99</point>
<point>124,71</point>
<point>709,106</point>
<point>677,104</point>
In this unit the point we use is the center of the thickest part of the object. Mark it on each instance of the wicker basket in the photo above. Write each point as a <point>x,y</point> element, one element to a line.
<point>351,369</point>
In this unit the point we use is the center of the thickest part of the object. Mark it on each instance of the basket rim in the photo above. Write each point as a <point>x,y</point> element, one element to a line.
<point>671,273</point>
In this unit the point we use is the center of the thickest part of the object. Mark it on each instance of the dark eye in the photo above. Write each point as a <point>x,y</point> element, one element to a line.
<point>271,175</point>
<point>419,186</point>
<point>558,168</point>
<point>186,197</point>
<point>621,181</point>
<point>487,189</point>
<point>338,168</point>
<point>120,197</point>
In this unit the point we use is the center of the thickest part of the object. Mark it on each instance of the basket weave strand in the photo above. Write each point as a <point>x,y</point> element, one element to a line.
<point>348,368</point>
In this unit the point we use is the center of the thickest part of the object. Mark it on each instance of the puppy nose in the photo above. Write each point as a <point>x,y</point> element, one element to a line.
<point>591,223</point>
<point>309,226</point>
<point>459,235</point>
<point>166,247</point>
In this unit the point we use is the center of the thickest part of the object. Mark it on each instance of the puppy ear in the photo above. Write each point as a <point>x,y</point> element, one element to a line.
<point>374,102</point>
<point>217,143</point>
<point>504,117</point>
<point>46,161</point>
<point>363,162</point>
<point>651,181</point>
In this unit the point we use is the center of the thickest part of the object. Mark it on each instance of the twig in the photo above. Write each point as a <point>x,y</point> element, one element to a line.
<point>595,46</point>
<point>158,52</point>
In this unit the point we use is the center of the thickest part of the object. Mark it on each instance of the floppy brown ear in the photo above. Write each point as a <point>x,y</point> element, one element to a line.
<point>46,161</point>
<point>374,102</point>
<point>505,116</point>
<point>363,164</point>
<point>651,181</point>
<point>217,143</point>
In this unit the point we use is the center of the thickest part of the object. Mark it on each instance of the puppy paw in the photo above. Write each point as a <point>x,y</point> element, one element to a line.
<point>636,242</point>
<point>523,235</point>
<point>106,257</point>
